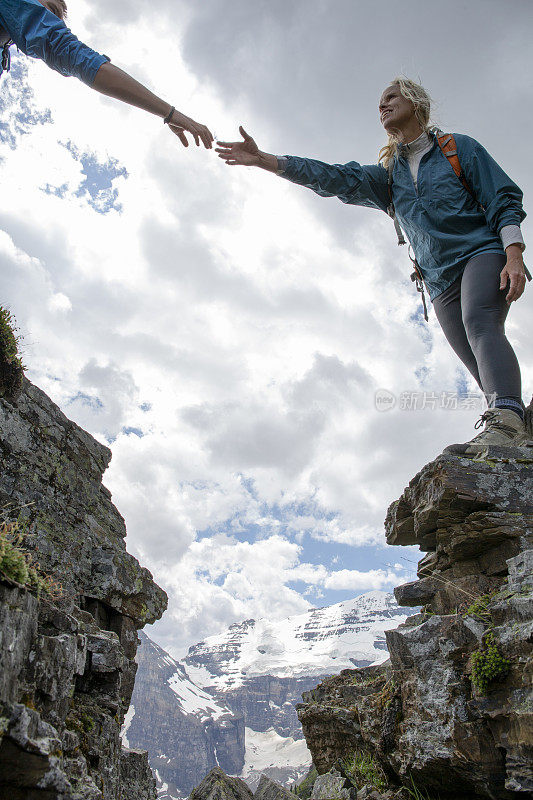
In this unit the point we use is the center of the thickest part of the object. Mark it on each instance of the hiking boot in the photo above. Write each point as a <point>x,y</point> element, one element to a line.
<point>503,428</point>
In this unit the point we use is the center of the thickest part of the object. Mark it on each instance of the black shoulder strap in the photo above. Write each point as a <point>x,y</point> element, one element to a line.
<point>390,210</point>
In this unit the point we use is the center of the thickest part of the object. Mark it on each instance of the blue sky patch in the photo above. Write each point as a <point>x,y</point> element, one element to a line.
<point>56,191</point>
<point>128,431</point>
<point>91,401</point>
<point>461,383</point>
<point>18,113</point>
<point>97,186</point>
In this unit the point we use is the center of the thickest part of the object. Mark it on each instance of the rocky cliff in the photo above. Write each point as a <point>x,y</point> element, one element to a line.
<point>451,711</point>
<point>67,654</point>
<point>185,730</point>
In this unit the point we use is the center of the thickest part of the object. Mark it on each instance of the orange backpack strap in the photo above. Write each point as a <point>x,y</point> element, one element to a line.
<point>449,149</point>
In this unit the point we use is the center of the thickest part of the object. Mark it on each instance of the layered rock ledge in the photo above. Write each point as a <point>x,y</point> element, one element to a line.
<point>67,664</point>
<point>451,711</point>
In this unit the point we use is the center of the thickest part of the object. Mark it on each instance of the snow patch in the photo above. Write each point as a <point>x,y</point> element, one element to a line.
<point>269,749</point>
<point>126,724</point>
<point>194,700</point>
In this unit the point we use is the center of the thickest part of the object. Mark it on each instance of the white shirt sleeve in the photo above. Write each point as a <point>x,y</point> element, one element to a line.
<point>511,234</point>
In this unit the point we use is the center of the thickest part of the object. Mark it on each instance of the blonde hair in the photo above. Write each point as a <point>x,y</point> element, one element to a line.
<point>422,107</point>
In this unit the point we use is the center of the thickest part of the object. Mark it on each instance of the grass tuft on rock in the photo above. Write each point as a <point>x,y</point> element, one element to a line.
<point>11,366</point>
<point>17,565</point>
<point>363,769</point>
<point>416,793</point>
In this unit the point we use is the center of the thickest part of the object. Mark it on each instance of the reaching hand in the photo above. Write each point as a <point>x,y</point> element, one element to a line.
<point>245,153</point>
<point>179,123</point>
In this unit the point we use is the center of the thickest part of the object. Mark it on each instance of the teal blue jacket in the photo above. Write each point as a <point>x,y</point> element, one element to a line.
<point>443,223</point>
<point>39,33</point>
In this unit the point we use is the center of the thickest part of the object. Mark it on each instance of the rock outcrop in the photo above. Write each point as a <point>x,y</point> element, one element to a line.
<point>219,786</point>
<point>268,789</point>
<point>67,664</point>
<point>451,710</point>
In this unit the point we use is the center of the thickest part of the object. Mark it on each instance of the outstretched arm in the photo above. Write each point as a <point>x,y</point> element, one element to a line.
<point>37,28</point>
<point>351,183</point>
<point>114,82</point>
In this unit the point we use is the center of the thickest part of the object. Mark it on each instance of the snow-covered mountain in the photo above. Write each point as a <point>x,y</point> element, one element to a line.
<point>232,700</point>
<point>318,642</point>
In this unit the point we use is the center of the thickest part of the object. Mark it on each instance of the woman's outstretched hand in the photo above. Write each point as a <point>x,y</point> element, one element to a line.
<point>246,153</point>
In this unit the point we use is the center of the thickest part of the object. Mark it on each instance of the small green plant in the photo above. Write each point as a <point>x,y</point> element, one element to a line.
<point>363,768</point>
<point>479,609</point>
<point>488,664</point>
<point>386,695</point>
<point>17,564</point>
<point>419,794</point>
<point>11,366</point>
<point>304,789</point>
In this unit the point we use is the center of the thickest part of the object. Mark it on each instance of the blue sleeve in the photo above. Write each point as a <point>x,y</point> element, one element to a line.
<point>352,183</point>
<point>500,197</point>
<point>39,33</point>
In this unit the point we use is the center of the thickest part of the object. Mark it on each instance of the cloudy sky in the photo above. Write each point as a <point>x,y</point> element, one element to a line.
<point>225,331</point>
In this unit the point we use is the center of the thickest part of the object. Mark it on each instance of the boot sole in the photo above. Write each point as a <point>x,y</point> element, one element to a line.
<point>474,449</point>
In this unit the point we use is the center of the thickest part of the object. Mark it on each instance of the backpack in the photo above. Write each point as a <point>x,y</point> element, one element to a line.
<point>446,142</point>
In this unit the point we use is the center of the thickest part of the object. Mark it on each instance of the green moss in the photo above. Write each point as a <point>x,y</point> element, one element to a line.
<point>143,613</point>
<point>363,769</point>
<point>17,565</point>
<point>11,366</point>
<point>488,664</point>
<point>72,723</point>
<point>87,722</point>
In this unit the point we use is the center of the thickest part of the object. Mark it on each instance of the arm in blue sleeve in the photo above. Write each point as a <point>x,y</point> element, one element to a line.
<point>500,197</point>
<point>39,33</point>
<point>352,183</point>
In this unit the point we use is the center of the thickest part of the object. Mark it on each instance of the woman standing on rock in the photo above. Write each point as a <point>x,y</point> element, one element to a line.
<point>462,216</point>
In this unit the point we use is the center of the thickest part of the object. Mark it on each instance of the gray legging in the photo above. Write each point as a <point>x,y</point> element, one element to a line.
<point>472,313</point>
